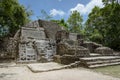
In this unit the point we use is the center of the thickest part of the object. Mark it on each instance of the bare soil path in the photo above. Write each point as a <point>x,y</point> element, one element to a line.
<point>23,73</point>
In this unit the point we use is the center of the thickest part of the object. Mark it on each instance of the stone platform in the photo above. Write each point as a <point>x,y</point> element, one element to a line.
<point>45,67</point>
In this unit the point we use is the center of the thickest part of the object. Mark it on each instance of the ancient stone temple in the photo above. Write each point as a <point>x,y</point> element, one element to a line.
<point>45,41</point>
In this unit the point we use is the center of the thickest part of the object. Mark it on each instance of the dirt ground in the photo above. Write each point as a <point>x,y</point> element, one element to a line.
<point>22,72</point>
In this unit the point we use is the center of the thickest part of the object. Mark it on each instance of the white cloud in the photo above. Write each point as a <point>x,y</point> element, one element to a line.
<point>55,12</point>
<point>85,9</point>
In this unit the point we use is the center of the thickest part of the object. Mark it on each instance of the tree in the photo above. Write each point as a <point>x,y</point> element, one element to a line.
<point>106,22</point>
<point>12,15</point>
<point>106,2</point>
<point>112,25</point>
<point>75,22</point>
<point>94,26</point>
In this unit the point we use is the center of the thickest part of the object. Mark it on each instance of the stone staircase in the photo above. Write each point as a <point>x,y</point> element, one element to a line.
<point>100,61</point>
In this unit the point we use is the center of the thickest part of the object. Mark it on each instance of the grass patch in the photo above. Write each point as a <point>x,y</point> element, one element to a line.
<point>110,70</point>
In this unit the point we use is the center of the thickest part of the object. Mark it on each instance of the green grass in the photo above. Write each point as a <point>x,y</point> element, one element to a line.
<point>110,70</point>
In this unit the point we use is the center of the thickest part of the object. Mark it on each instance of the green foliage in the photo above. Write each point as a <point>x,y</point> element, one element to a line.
<point>93,26</point>
<point>12,15</point>
<point>107,23</point>
<point>106,2</point>
<point>96,36</point>
<point>61,23</point>
<point>75,22</point>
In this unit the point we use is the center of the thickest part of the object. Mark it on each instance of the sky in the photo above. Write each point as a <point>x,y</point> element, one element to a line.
<point>60,8</point>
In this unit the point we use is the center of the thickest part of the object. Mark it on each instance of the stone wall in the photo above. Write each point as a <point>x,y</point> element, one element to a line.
<point>32,33</point>
<point>78,51</point>
<point>61,35</point>
<point>51,28</point>
<point>8,48</point>
<point>65,59</point>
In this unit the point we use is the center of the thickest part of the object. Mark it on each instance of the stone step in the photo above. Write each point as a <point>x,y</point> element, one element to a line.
<point>101,62</point>
<point>94,55</point>
<point>94,62</point>
<point>99,55</point>
<point>100,58</point>
<point>103,65</point>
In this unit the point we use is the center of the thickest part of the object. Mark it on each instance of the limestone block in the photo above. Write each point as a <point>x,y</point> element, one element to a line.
<point>33,33</point>
<point>71,51</point>
<point>66,59</point>
<point>104,51</point>
<point>62,49</point>
<point>73,36</point>
<point>61,35</point>
<point>91,46</point>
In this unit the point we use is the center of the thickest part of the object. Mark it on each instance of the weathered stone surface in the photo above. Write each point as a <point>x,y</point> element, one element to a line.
<point>45,67</point>
<point>91,46</point>
<point>61,35</point>
<point>32,33</point>
<point>82,53</point>
<point>72,49</point>
<point>51,28</point>
<point>12,47</point>
<point>80,42</point>
<point>27,53</point>
<point>73,36</point>
<point>104,51</point>
<point>65,59</point>
<point>62,49</point>
<point>8,48</point>
<point>44,47</point>
<point>32,24</point>
<point>100,61</point>
<point>71,42</point>
<point>80,36</point>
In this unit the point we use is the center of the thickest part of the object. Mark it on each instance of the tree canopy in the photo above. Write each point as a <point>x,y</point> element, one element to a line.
<point>105,22</point>
<point>12,15</point>
<point>75,22</point>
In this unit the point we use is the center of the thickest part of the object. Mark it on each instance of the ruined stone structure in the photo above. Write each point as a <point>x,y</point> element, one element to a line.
<point>72,48</point>
<point>35,44</point>
<point>44,41</point>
